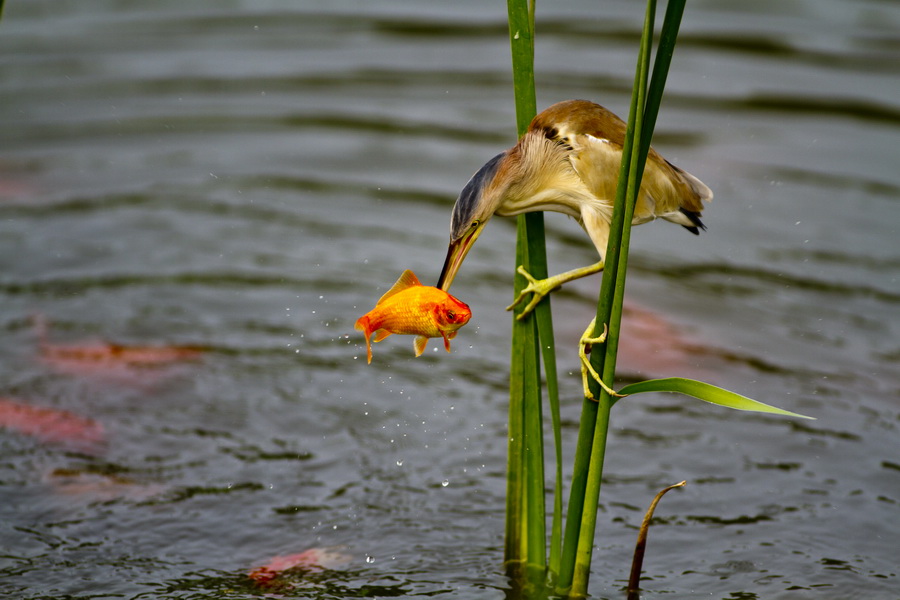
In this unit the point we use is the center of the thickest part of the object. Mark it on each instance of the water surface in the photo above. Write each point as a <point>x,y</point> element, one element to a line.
<point>246,179</point>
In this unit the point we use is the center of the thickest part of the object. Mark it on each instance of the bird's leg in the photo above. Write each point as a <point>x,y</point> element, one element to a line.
<point>541,287</point>
<point>584,348</point>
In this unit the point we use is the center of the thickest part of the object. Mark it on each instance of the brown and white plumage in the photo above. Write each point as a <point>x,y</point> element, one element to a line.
<point>568,162</point>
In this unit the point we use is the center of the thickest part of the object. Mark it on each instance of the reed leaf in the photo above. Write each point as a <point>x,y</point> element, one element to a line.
<point>706,392</point>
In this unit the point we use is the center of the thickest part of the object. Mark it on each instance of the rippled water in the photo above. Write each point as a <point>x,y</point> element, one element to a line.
<point>240,181</point>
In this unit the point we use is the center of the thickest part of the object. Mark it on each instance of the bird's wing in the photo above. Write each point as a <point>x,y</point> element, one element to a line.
<point>593,138</point>
<point>596,160</point>
<point>666,190</point>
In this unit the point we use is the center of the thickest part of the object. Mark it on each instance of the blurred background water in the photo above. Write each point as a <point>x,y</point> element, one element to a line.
<point>209,194</point>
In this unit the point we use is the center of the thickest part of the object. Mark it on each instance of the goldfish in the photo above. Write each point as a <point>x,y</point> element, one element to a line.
<point>414,309</point>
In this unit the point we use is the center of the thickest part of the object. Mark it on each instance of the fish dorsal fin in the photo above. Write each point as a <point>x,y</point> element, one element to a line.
<point>407,280</point>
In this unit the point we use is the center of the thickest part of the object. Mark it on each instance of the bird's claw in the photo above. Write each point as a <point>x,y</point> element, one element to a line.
<point>584,348</point>
<point>537,287</point>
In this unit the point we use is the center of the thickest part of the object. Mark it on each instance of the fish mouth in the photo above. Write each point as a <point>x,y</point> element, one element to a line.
<point>456,252</point>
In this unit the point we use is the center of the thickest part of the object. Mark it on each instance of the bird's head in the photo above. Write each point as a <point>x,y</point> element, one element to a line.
<point>476,204</point>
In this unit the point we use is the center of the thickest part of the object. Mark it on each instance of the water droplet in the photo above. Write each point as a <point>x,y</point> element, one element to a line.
<point>400,462</point>
<point>370,559</point>
<point>515,37</point>
<point>445,482</point>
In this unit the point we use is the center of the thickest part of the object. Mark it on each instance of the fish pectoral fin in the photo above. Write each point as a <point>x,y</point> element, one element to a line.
<point>381,334</point>
<point>419,344</point>
<point>407,280</point>
<point>447,337</point>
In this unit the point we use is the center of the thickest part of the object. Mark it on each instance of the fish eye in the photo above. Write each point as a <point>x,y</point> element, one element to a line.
<point>451,315</point>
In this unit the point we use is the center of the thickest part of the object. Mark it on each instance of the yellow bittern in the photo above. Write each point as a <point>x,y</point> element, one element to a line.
<point>568,162</point>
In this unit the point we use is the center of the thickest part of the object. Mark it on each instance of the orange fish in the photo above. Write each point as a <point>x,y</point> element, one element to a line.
<point>415,309</point>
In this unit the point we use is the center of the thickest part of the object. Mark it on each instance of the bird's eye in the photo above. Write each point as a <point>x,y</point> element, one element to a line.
<point>475,223</point>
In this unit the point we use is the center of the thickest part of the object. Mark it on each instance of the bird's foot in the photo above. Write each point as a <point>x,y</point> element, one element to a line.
<point>541,287</point>
<point>537,287</point>
<point>584,348</point>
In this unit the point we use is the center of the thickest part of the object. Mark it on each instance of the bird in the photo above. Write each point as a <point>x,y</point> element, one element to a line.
<point>568,162</point>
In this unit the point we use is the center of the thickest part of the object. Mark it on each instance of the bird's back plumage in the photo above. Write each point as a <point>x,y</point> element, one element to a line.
<point>591,139</point>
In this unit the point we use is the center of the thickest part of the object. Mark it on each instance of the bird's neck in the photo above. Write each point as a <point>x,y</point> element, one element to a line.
<point>541,178</point>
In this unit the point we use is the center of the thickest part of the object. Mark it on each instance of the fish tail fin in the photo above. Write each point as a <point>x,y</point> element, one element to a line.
<point>419,344</point>
<point>362,324</point>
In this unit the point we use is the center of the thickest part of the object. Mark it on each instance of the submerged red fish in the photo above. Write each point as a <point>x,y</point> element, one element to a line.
<point>107,359</point>
<point>52,425</point>
<point>313,560</point>
<point>414,309</point>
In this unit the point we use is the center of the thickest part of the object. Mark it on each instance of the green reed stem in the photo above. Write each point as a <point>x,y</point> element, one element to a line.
<point>591,447</point>
<point>603,357</point>
<point>525,509</point>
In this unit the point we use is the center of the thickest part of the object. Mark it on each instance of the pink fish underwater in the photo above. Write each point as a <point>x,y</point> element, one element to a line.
<point>50,425</point>
<point>312,560</point>
<point>104,359</point>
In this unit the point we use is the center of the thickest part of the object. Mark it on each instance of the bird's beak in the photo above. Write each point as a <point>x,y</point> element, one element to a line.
<point>455,255</point>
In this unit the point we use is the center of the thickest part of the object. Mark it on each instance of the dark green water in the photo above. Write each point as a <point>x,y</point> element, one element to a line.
<point>248,178</point>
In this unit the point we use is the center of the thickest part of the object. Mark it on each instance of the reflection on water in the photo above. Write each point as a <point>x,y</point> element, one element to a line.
<point>238,182</point>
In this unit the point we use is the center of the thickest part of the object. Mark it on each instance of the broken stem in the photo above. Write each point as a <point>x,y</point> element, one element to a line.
<point>637,563</point>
